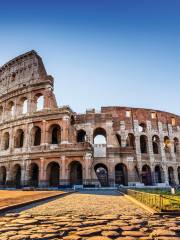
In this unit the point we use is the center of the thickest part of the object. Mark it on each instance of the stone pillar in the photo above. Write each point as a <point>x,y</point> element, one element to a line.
<point>43,182</point>
<point>87,171</point>
<point>44,139</point>
<point>63,172</point>
<point>64,135</point>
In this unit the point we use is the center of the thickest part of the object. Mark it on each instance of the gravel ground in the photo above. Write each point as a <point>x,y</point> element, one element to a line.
<point>100,215</point>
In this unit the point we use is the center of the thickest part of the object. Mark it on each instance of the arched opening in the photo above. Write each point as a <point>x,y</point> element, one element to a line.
<point>24,105</point>
<point>102,174</point>
<point>53,174</point>
<point>118,137</point>
<point>17,176</point>
<point>155,142</point>
<point>39,102</point>
<point>143,144</point>
<point>178,171</point>
<point>167,144</point>
<point>121,174</point>
<point>2,175</point>
<point>36,136</point>
<point>176,145</point>
<point>158,175</point>
<point>81,136</point>
<point>76,174</point>
<point>142,127</point>
<point>99,136</point>
<point>11,108</point>
<point>34,175</point>
<point>130,140</point>
<point>19,139</point>
<point>55,134</point>
<point>146,175</point>
<point>1,113</point>
<point>72,120</point>
<point>5,141</point>
<point>171,176</point>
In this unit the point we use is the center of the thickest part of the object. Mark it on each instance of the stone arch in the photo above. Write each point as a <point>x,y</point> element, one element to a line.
<point>118,137</point>
<point>19,139</point>
<point>55,134</point>
<point>1,113</point>
<point>167,144</point>
<point>156,143</point>
<point>146,175</point>
<point>121,174</point>
<point>39,102</point>
<point>176,145</point>
<point>23,104</point>
<point>11,109</point>
<point>144,144</point>
<point>3,174</point>
<point>171,175</point>
<point>81,136</point>
<point>142,127</point>
<point>5,141</point>
<point>158,174</point>
<point>99,136</point>
<point>130,140</point>
<point>76,173</point>
<point>34,174</point>
<point>16,174</point>
<point>36,136</point>
<point>101,171</point>
<point>178,173</point>
<point>53,175</point>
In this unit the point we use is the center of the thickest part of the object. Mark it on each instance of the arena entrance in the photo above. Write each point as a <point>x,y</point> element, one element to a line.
<point>34,175</point>
<point>146,175</point>
<point>121,175</point>
<point>102,174</point>
<point>17,176</point>
<point>76,175</point>
<point>3,176</point>
<point>53,174</point>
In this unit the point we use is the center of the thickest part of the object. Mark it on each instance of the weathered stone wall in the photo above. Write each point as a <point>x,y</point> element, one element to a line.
<point>47,146</point>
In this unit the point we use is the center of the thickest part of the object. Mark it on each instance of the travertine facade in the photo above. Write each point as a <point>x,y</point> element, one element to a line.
<point>53,146</point>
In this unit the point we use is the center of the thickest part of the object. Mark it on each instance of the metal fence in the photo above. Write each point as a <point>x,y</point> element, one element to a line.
<point>157,201</point>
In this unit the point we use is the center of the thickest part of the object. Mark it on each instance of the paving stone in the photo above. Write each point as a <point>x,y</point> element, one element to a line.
<point>110,234</point>
<point>132,233</point>
<point>89,232</point>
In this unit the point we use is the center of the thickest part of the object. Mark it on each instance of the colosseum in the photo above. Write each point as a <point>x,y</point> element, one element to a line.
<point>43,145</point>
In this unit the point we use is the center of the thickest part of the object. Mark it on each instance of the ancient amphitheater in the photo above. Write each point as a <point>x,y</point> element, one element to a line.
<point>46,145</point>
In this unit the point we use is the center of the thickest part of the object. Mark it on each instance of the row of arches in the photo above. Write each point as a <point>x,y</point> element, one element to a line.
<point>21,106</point>
<point>76,174</point>
<point>19,139</point>
<point>100,137</point>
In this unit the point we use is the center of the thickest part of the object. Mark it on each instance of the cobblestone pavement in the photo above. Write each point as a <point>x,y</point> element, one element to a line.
<point>82,216</point>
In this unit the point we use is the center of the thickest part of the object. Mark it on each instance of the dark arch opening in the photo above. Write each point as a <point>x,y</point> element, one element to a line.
<point>34,175</point>
<point>171,176</point>
<point>102,174</point>
<point>37,136</point>
<point>55,134</point>
<point>118,137</point>
<point>19,139</point>
<point>176,144</point>
<point>130,141</point>
<point>146,175</point>
<point>158,176</point>
<point>2,176</point>
<point>76,175</point>
<point>17,176</point>
<point>178,170</point>
<point>155,142</point>
<point>5,141</point>
<point>121,174</point>
<point>143,144</point>
<point>53,174</point>
<point>81,136</point>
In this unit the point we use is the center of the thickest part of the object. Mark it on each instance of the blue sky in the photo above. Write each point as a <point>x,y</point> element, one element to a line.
<point>100,52</point>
